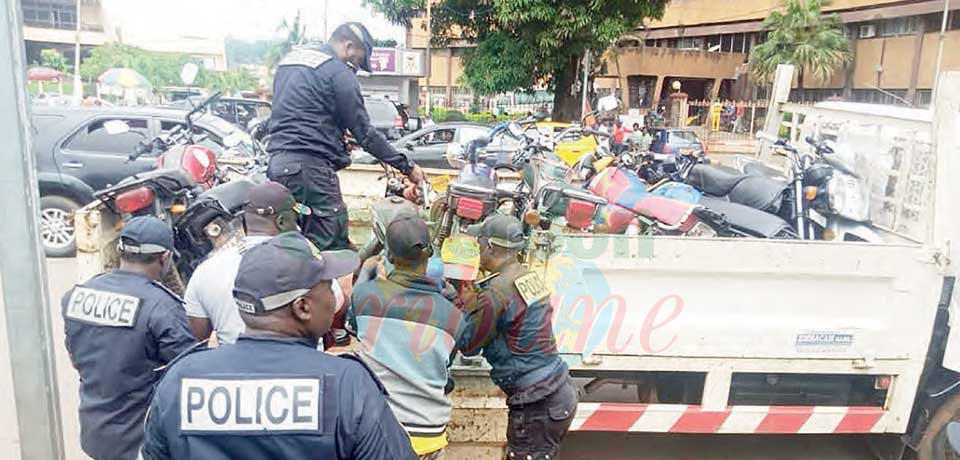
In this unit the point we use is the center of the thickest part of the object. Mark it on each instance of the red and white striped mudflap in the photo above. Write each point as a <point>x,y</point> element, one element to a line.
<point>679,418</point>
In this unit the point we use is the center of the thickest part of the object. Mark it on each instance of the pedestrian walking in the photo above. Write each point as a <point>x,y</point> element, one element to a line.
<point>270,210</point>
<point>120,327</point>
<point>272,395</point>
<point>409,333</point>
<point>511,317</point>
<point>317,100</point>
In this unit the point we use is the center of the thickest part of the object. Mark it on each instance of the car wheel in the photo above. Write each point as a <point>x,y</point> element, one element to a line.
<point>933,444</point>
<point>56,226</point>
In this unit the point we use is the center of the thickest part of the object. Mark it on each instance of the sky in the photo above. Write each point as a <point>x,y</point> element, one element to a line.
<point>245,19</point>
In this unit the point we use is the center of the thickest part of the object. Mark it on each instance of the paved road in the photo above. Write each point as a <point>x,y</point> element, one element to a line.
<point>579,446</point>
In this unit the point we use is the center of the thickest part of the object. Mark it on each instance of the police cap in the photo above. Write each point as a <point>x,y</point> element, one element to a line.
<point>145,235</point>
<point>501,230</point>
<point>280,270</point>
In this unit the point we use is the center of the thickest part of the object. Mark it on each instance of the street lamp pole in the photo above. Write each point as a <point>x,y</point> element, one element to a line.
<point>429,66</point>
<point>943,33</point>
<point>77,83</point>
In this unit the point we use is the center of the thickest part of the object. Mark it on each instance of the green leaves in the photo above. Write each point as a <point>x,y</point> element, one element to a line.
<point>525,43</point>
<point>53,59</point>
<point>803,36</point>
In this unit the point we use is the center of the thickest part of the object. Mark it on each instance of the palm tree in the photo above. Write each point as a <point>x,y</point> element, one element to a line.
<point>805,37</point>
<point>296,33</point>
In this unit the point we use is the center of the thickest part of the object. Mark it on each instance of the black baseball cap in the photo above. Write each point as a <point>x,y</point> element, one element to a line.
<point>269,199</point>
<point>274,273</point>
<point>407,237</point>
<point>145,235</point>
<point>362,35</point>
<point>501,230</point>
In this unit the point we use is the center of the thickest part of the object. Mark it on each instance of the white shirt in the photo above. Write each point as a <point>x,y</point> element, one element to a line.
<point>210,290</point>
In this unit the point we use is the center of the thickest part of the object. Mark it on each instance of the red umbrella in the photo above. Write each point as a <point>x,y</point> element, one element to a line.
<point>43,74</point>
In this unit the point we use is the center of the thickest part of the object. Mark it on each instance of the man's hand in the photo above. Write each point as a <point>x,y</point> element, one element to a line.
<point>416,175</point>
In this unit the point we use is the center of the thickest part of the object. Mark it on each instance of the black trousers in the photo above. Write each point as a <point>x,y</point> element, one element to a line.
<point>313,183</point>
<point>535,430</point>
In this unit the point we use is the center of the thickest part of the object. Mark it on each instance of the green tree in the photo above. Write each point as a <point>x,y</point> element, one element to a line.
<point>388,43</point>
<point>161,69</point>
<point>805,37</point>
<point>53,59</point>
<point>524,43</point>
<point>296,34</point>
<point>230,82</point>
<point>248,52</point>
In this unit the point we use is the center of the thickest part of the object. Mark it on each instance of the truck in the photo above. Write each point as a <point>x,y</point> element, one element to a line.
<point>745,336</point>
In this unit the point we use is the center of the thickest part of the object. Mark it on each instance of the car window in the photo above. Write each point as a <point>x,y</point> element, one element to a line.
<point>470,133</point>
<point>225,110</point>
<point>440,136</point>
<point>94,137</point>
<point>683,136</point>
<point>381,111</point>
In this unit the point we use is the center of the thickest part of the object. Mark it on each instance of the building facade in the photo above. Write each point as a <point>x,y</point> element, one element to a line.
<point>52,24</point>
<point>706,45</point>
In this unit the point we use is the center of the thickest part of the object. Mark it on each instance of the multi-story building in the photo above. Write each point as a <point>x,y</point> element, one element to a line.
<point>706,44</point>
<point>52,24</point>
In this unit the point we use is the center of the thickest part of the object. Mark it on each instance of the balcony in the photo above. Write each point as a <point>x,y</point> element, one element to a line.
<point>60,16</point>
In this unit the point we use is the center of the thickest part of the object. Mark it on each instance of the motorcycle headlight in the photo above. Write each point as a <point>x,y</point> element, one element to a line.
<point>848,197</point>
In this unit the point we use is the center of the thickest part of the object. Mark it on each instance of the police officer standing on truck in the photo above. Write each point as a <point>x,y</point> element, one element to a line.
<point>511,317</point>
<point>316,98</point>
<point>272,395</point>
<point>120,327</point>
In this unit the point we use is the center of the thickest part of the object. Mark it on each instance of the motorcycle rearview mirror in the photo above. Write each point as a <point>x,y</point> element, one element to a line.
<point>188,74</point>
<point>114,127</point>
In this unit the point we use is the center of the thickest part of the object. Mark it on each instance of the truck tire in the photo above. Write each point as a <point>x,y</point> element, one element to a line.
<point>57,232</point>
<point>933,443</point>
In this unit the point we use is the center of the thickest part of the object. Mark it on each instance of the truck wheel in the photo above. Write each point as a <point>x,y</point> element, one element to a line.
<point>933,444</point>
<point>56,226</point>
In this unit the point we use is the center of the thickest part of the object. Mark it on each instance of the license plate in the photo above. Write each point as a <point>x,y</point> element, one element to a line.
<point>440,183</point>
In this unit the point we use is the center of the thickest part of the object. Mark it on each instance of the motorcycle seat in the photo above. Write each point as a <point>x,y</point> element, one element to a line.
<point>758,192</point>
<point>749,220</point>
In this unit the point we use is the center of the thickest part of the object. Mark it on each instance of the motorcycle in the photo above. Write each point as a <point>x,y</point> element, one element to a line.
<point>835,201</point>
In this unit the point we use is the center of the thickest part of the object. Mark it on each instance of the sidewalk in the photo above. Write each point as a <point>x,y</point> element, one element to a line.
<point>61,274</point>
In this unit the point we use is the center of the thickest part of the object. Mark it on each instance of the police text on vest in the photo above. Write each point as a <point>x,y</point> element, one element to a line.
<point>250,405</point>
<point>102,308</point>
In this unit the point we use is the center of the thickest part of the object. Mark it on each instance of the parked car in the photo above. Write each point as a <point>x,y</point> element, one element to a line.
<point>428,146</point>
<point>666,140</point>
<point>239,111</point>
<point>389,117</point>
<point>76,156</point>
<point>572,147</point>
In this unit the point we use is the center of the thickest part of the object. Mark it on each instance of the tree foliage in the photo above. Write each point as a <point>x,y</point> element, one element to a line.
<point>295,32</point>
<point>387,43</point>
<point>231,81</point>
<point>524,43</point>
<point>248,52</point>
<point>53,59</point>
<point>803,36</point>
<point>161,69</point>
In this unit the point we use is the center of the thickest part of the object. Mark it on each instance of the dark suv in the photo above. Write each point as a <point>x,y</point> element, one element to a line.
<point>76,156</point>
<point>389,117</point>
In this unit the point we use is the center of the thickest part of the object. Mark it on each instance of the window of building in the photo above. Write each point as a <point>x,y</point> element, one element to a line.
<point>690,43</point>
<point>739,43</point>
<point>57,16</point>
<point>713,43</point>
<point>900,26</point>
<point>650,43</point>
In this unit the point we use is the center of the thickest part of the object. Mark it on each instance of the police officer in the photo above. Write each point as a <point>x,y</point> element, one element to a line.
<point>316,99</point>
<point>120,327</point>
<point>272,395</point>
<point>511,317</point>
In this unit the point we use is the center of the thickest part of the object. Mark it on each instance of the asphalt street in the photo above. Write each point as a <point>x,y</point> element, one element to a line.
<point>578,446</point>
